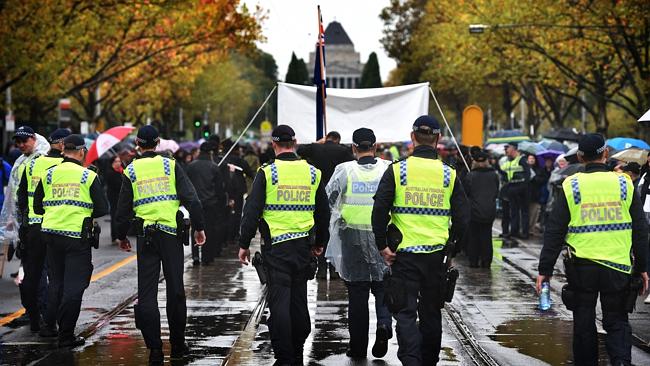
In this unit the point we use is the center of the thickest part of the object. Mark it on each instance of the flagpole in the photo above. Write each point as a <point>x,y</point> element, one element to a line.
<point>322,71</point>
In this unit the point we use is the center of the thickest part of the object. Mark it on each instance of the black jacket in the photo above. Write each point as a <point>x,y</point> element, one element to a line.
<point>558,222</point>
<point>97,195</point>
<point>325,157</point>
<point>254,207</point>
<point>537,183</point>
<point>184,189</point>
<point>482,188</point>
<point>236,181</point>
<point>208,181</point>
<point>460,209</point>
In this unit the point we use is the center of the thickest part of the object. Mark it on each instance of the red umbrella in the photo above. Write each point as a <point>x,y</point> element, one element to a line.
<point>105,141</point>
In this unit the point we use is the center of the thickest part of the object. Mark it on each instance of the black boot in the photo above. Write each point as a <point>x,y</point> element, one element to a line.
<point>381,341</point>
<point>71,342</point>
<point>156,356</point>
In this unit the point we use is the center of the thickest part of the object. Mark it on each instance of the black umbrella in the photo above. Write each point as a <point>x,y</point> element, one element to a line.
<point>564,134</point>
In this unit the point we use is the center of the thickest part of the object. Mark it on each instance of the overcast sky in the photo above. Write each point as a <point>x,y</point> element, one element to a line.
<point>291,25</point>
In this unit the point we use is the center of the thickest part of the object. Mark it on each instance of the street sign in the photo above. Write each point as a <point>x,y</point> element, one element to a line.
<point>65,112</point>
<point>83,127</point>
<point>472,131</point>
<point>10,122</point>
<point>266,127</point>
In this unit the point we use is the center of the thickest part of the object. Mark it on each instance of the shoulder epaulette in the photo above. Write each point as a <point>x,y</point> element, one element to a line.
<point>267,163</point>
<point>398,160</point>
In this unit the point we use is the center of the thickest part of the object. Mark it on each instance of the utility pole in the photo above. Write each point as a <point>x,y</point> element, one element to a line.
<point>583,112</point>
<point>10,122</point>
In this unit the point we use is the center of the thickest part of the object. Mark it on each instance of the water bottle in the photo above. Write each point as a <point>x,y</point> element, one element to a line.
<point>545,297</point>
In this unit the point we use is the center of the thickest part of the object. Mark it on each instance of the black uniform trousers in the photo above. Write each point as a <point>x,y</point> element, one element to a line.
<point>33,261</point>
<point>419,344</point>
<point>359,316</point>
<point>479,246</point>
<point>612,285</point>
<point>215,235</point>
<point>505,211</point>
<point>69,266</point>
<point>164,248</point>
<point>234,217</point>
<point>287,264</point>
<point>519,201</point>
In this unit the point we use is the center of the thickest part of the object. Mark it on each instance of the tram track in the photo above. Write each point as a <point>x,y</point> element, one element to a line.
<point>462,332</point>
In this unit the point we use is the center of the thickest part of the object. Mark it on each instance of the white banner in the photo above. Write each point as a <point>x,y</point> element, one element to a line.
<point>389,112</point>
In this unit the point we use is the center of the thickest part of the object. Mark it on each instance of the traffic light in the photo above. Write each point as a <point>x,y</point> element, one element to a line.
<point>206,131</point>
<point>197,122</point>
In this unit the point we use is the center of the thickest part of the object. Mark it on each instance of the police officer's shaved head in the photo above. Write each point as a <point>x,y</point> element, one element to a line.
<point>333,136</point>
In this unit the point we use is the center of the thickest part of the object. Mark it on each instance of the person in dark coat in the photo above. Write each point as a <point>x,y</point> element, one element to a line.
<point>482,188</point>
<point>325,156</point>
<point>113,184</point>
<point>210,186</point>
<point>538,181</point>
<point>236,169</point>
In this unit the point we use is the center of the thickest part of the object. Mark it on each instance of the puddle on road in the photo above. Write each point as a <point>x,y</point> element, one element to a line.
<point>547,339</point>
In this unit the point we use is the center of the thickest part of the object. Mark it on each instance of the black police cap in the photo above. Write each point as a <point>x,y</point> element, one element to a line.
<point>208,146</point>
<point>363,137</point>
<point>591,145</point>
<point>24,132</point>
<point>283,133</point>
<point>74,142</point>
<point>147,136</point>
<point>58,135</point>
<point>426,124</point>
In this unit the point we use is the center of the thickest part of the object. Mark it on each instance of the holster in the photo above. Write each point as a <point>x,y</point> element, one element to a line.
<point>182,229</point>
<point>97,230</point>
<point>393,236</point>
<point>258,263</point>
<point>636,284</point>
<point>395,296</point>
<point>569,295</point>
<point>87,233</point>
<point>448,286</point>
<point>137,224</point>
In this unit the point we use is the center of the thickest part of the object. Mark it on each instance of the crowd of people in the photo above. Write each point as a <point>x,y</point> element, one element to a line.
<point>321,208</point>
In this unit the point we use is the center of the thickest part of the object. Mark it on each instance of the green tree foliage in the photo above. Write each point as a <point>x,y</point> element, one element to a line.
<point>297,71</point>
<point>370,76</point>
<point>554,56</point>
<point>133,51</point>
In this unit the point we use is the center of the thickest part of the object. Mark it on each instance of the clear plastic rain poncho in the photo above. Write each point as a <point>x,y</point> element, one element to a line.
<point>351,248</point>
<point>8,216</point>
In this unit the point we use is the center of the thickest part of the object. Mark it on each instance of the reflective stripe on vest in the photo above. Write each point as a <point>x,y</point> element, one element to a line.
<point>512,167</point>
<point>357,200</point>
<point>290,199</point>
<point>422,203</point>
<point>66,199</point>
<point>601,226</point>
<point>35,171</point>
<point>155,201</point>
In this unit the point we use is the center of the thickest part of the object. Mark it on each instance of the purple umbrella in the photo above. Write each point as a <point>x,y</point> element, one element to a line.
<point>547,154</point>
<point>188,145</point>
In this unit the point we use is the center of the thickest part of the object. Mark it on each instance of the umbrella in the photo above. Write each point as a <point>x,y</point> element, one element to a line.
<point>548,154</point>
<point>165,145</point>
<point>569,134</point>
<point>106,141</point>
<point>632,154</point>
<point>530,147</point>
<point>505,140</point>
<point>188,145</point>
<point>622,143</point>
<point>496,148</point>
<point>554,145</point>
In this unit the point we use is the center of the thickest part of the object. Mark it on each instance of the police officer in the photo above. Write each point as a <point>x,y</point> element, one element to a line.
<point>33,258</point>
<point>352,249</point>
<point>154,187</point>
<point>600,217</point>
<point>67,195</point>
<point>289,205</point>
<point>421,194</point>
<point>516,173</point>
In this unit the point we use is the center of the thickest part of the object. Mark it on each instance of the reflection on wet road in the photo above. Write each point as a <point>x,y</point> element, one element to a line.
<point>498,306</point>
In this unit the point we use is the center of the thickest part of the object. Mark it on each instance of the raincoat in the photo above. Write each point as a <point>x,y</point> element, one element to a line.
<point>8,217</point>
<point>351,249</point>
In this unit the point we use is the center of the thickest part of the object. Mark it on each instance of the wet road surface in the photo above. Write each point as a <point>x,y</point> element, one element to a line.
<point>494,314</point>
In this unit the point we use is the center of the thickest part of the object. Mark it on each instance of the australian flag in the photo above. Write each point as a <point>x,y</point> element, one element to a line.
<point>319,81</point>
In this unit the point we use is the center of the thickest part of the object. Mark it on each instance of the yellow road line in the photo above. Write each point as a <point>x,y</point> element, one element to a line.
<point>97,276</point>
